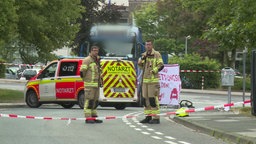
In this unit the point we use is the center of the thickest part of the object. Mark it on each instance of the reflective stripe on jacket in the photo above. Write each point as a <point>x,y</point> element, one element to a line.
<point>150,65</point>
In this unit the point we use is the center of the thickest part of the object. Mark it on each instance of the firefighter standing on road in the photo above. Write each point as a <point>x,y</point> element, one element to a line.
<point>90,72</point>
<point>151,62</point>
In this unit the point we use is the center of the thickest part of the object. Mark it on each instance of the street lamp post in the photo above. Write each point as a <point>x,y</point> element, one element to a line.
<point>186,44</point>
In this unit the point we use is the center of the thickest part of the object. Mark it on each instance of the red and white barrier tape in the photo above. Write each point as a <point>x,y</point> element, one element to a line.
<point>208,108</point>
<point>126,117</point>
<point>200,71</point>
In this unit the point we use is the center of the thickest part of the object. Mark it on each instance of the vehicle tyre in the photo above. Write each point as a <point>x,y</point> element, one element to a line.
<point>120,106</point>
<point>67,105</point>
<point>80,99</point>
<point>32,100</point>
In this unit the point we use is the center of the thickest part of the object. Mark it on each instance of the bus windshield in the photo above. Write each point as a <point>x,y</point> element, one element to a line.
<point>116,49</point>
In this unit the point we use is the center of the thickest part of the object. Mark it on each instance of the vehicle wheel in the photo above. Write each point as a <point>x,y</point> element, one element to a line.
<point>120,106</point>
<point>32,100</point>
<point>80,100</point>
<point>67,105</point>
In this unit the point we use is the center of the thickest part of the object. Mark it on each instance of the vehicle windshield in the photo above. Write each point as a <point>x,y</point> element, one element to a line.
<point>116,49</point>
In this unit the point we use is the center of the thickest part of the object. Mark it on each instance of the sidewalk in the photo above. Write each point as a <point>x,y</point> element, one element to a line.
<point>229,126</point>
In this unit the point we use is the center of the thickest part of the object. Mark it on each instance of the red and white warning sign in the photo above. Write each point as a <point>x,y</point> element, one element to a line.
<point>170,84</point>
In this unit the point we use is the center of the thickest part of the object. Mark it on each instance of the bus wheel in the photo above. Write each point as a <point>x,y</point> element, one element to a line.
<point>67,105</point>
<point>32,100</point>
<point>80,100</point>
<point>120,106</point>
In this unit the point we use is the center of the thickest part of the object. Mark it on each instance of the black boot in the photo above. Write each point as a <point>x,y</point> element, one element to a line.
<point>154,121</point>
<point>146,120</point>
<point>97,120</point>
<point>90,121</point>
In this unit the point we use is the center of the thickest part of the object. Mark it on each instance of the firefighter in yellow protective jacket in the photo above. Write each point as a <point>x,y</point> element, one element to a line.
<point>90,72</point>
<point>151,63</point>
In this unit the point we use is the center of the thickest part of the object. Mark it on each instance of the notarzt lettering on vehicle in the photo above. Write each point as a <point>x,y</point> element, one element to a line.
<point>119,78</point>
<point>119,69</point>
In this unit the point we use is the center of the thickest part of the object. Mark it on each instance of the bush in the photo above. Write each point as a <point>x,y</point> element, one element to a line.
<point>238,84</point>
<point>195,62</point>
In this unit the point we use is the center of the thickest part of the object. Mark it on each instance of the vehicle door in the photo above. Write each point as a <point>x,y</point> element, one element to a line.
<point>66,80</point>
<point>47,82</point>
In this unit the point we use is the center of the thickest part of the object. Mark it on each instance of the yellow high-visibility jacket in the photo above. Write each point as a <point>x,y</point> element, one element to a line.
<point>151,63</point>
<point>91,71</point>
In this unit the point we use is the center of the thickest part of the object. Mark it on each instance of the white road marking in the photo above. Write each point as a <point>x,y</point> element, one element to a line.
<point>159,133</point>
<point>145,133</point>
<point>170,142</point>
<point>166,139</point>
<point>183,142</point>
<point>156,137</point>
<point>169,137</point>
<point>137,129</point>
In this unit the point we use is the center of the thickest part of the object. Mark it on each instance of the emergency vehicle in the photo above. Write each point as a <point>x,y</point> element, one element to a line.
<point>60,82</point>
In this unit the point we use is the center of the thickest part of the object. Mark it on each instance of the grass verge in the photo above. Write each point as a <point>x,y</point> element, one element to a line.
<point>242,110</point>
<point>11,96</point>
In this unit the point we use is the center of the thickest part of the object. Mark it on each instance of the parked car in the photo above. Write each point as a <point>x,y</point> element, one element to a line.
<point>10,74</point>
<point>27,74</point>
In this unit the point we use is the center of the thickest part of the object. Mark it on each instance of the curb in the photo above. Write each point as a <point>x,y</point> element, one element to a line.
<point>229,137</point>
<point>13,105</point>
<point>12,81</point>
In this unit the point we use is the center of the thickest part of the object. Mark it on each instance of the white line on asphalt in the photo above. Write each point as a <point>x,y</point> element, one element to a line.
<point>137,129</point>
<point>170,142</point>
<point>145,133</point>
<point>183,142</point>
<point>169,137</point>
<point>156,137</point>
<point>151,130</point>
<point>159,133</point>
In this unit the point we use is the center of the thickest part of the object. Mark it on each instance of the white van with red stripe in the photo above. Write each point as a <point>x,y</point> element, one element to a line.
<point>60,82</point>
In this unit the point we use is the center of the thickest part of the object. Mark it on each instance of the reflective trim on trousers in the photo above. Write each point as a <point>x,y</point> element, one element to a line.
<point>150,80</point>
<point>93,84</point>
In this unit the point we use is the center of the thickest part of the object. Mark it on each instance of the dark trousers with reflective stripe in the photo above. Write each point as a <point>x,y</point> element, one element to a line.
<point>91,97</point>
<point>150,94</point>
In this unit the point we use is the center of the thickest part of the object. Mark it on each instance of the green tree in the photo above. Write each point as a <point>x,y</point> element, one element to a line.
<point>148,20</point>
<point>46,25</point>
<point>172,19</point>
<point>96,12</point>
<point>165,45</point>
<point>231,24</point>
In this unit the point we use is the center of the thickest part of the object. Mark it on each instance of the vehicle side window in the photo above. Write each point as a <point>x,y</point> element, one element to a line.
<point>68,69</point>
<point>49,71</point>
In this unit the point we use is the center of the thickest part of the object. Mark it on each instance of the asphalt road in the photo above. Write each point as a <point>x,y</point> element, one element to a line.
<point>116,131</point>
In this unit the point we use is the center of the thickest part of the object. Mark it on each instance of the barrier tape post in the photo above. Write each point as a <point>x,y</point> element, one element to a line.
<point>202,82</point>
